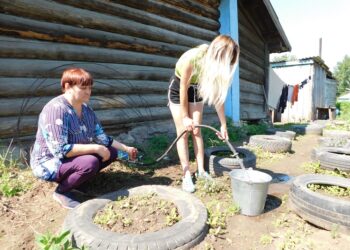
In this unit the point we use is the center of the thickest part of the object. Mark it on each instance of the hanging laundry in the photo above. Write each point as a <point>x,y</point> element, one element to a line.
<point>295,93</point>
<point>290,92</point>
<point>304,82</point>
<point>283,99</point>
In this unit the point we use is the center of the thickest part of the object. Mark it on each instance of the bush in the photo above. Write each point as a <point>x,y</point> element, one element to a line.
<point>344,108</point>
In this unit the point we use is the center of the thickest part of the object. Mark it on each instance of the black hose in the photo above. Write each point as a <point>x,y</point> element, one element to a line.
<point>235,154</point>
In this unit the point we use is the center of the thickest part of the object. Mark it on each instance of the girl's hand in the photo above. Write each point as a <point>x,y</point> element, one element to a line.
<point>223,133</point>
<point>103,152</point>
<point>188,123</point>
<point>132,153</point>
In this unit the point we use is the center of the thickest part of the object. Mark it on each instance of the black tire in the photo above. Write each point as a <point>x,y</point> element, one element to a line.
<point>335,158</point>
<point>336,133</point>
<point>321,210</point>
<point>286,134</point>
<point>271,143</point>
<point>189,231</point>
<point>299,129</point>
<point>217,165</point>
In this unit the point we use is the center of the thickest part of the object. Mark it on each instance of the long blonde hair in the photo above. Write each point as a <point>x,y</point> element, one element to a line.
<point>217,68</point>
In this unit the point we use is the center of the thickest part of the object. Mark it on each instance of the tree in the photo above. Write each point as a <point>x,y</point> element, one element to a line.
<point>284,58</point>
<point>342,74</point>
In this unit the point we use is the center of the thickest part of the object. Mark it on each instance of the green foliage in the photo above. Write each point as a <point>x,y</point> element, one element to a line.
<point>13,181</point>
<point>284,58</point>
<point>61,241</point>
<point>330,189</point>
<point>342,74</point>
<point>344,108</point>
<point>315,168</point>
<point>266,239</point>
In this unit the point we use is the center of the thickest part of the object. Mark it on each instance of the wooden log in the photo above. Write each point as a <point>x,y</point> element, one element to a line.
<point>140,16</point>
<point>251,98</point>
<point>245,52</point>
<point>36,87</point>
<point>34,105</point>
<point>54,12</point>
<point>40,30</point>
<point>210,3</point>
<point>26,125</point>
<point>196,8</point>
<point>248,65</point>
<point>250,87</point>
<point>250,76</point>
<point>253,48</point>
<point>251,112</point>
<point>169,11</point>
<point>53,69</point>
<point>55,51</point>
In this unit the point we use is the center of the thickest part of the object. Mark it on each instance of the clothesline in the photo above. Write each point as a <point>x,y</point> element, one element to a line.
<point>290,93</point>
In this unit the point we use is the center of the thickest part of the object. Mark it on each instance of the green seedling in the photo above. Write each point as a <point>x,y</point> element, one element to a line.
<point>266,239</point>
<point>50,241</point>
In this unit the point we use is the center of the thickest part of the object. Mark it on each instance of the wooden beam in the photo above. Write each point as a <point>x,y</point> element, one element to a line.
<point>40,30</point>
<point>64,14</point>
<point>58,51</point>
<point>53,69</point>
<point>143,17</point>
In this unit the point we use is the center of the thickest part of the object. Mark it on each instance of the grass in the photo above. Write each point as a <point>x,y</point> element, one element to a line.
<point>13,180</point>
<point>330,189</point>
<point>264,155</point>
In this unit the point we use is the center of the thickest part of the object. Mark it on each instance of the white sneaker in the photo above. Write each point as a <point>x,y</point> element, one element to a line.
<point>187,184</point>
<point>204,175</point>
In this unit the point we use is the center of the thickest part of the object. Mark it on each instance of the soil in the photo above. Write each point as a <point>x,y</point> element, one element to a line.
<point>277,227</point>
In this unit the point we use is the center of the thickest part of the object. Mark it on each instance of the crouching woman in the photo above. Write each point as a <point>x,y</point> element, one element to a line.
<point>71,146</point>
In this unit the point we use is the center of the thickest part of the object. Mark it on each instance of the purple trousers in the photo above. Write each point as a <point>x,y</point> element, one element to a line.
<point>76,170</point>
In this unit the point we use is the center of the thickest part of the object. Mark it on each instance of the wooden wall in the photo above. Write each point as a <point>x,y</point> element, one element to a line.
<point>129,46</point>
<point>253,65</point>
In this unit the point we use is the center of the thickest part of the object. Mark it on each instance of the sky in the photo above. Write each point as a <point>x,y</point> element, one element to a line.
<point>306,21</point>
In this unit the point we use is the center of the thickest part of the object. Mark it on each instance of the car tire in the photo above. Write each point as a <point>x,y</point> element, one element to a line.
<point>271,143</point>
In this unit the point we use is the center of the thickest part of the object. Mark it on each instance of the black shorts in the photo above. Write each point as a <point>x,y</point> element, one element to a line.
<point>174,92</point>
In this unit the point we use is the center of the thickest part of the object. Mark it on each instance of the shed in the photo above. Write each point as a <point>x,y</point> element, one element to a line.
<point>316,92</point>
<point>131,48</point>
<point>344,98</point>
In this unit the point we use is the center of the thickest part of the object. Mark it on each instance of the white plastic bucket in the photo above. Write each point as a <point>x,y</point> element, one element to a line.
<point>249,190</point>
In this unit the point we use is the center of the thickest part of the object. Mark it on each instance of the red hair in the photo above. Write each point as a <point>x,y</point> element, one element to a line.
<point>76,76</point>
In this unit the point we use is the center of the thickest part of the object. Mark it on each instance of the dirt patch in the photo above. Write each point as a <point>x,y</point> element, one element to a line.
<point>137,214</point>
<point>277,228</point>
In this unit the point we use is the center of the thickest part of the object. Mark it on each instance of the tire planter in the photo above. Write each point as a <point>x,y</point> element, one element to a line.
<point>334,158</point>
<point>332,141</point>
<point>321,210</point>
<point>336,133</point>
<point>189,231</point>
<point>314,129</point>
<point>271,143</point>
<point>286,134</point>
<point>217,165</point>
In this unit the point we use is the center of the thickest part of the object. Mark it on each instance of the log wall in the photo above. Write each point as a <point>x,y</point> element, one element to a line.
<point>129,46</point>
<point>253,65</point>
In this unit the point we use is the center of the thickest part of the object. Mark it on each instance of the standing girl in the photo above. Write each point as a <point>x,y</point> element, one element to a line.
<point>202,74</point>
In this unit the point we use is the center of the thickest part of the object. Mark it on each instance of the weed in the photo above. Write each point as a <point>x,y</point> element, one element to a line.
<point>49,241</point>
<point>266,155</point>
<point>266,239</point>
<point>210,187</point>
<point>330,189</point>
<point>335,231</point>
<point>284,199</point>
<point>315,168</point>
<point>173,217</point>
<point>282,221</point>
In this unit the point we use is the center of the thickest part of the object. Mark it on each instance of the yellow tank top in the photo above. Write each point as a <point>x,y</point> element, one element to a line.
<point>192,57</point>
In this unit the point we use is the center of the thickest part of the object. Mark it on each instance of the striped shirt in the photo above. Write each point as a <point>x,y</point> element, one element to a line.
<point>59,128</point>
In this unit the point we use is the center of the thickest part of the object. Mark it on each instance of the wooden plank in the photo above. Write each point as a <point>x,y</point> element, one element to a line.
<point>143,17</point>
<point>253,48</point>
<point>252,57</point>
<point>53,69</point>
<point>169,11</point>
<point>54,12</point>
<point>198,8</point>
<point>251,98</point>
<point>40,30</point>
<point>54,51</point>
<point>251,35</point>
<point>252,112</point>
<point>210,3</point>
<point>250,76</point>
<point>244,16</point>
<point>34,105</point>
<point>35,87</point>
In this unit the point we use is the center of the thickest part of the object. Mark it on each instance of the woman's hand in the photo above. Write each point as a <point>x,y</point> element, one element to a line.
<point>103,152</point>
<point>188,123</point>
<point>223,133</point>
<point>132,152</point>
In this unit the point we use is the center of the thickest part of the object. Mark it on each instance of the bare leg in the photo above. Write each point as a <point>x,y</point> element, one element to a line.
<point>196,113</point>
<point>182,143</point>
